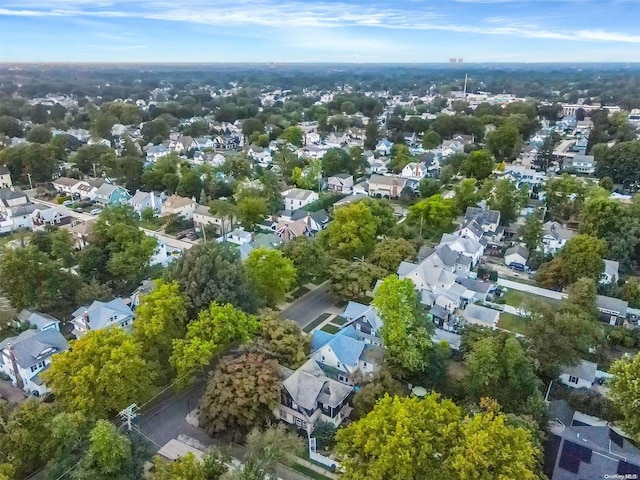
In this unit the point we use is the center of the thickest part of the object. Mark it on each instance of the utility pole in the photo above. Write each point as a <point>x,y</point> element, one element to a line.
<point>128,414</point>
<point>95,175</point>
<point>30,184</point>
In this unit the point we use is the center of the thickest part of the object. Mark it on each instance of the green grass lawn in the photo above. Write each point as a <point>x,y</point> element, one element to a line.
<point>512,322</point>
<point>514,298</point>
<point>330,329</point>
<point>316,322</point>
<point>308,472</point>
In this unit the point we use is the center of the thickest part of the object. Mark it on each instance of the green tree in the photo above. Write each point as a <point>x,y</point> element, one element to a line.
<point>190,184</point>
<point>430,438</point>
<point>238,166</point>
<point>102,123</point>
<point>478,165</point>
<point>161,318</point>
<point>336,160</point>
<point>308,257</point>
<point>39,134</point>
<point>499,368</point>
<point>10,126</point>
<point>234,399</point>
<point>251,210</point>
<point>620,162</point>
<point>272,273</point>
<point>100,373</point>
<point>429,187</point>
<point>431,140</point>
<point>557,337</point>
<point>371,134</point>
<point>434,214</point>
<point>109,455</point>
<point>62,247</point>
<point>504,143</point>
<point>91,291</point>
<point>580,257</point>
<point>631,292</point>
<point>390,252</point>
<point>405,332</point>
<point>507,198</point>
<point>155,131</point>
<point>214,329</point>
<point>532,231</point>
<point>272,446</point>
<point>211,272</point>
<point>352,280</point>
<point>282,339</point>
<point>368,395</point>
<point>625,392</point>
<point>294,135</point>
<point>602,217</point>
<point>226,211</point>
<point>400,157</point>
<point>565,196</point>
<point>352,232</point>
<point>212,467</point>
<point>466,194</point>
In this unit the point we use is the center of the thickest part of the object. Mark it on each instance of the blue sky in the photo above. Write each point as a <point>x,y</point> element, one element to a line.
<point>319,31</point>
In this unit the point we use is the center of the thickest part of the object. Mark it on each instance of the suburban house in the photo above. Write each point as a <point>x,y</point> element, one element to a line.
<point>341,183</point>
<point>479,315</point>
<point>336,139</point>
<point>386,186</point>
<point>182,206</point>
<point>259,154</point>
<point>15,209</point>
<point>349,359</point>
<point>143,200</point>
<point>414,170</point>
<point>260,240</point>
<point>49,216</point>
<point>81,232</point>
<point>383,147</point>
<point>42,321</point>
<point>517,255</point>
<point>364,320</point>
<point>555,236</point>
<point>5,178</point>
<point>309,396</point>
<point>610,274</point>
<point>584,447</point>
<point>582,375</point>
<point>109,194</point>
<point>523,176</point>
<point>86,191</point>
<point>101,315</point>
<point>488,220</point>
<point>156,152</point>
<point>203,142</point>
<point>297,198</point>
<point>202,218</point>
<point>238,236</point>
<point>581,164</point>
<point>479,288</point>
<point>66,185</point>
<point>25,356</point>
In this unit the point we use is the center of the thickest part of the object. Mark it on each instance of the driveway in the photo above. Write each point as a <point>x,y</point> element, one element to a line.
<point>311,305</point>
<point>11,394</point>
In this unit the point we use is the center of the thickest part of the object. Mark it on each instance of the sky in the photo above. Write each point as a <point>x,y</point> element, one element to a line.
<point>334,31</point>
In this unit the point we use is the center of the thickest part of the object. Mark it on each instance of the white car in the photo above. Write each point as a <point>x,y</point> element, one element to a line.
<point>95,211</point>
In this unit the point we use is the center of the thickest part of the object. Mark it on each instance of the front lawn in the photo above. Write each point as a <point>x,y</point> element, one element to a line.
<point>321,318</point>
<point>515,298</point>
<point>511,322</point>
<point>330,329</point>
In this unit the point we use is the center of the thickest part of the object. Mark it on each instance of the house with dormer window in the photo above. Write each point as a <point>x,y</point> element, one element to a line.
<point>24,357</point>
<point>99,315</point>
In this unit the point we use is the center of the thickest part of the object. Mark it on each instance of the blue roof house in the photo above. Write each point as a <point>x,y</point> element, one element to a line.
<point>344,356</point>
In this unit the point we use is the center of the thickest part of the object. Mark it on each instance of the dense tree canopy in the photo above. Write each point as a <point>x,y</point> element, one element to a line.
<point>273,274</point>
<point>625,392</point>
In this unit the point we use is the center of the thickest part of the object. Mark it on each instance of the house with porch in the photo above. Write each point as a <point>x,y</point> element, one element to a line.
<point>99,315</point>
<point>49,216</point>
<point>309,397</point>
<point>340,183</point>
<point>143,200</point>
<point>383,186</point>
<point>24,357</point>
<point>555,236</point>
<point>110,194</point>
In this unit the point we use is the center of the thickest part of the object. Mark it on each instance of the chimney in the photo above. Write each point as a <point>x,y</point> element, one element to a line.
<point>86,319</point>
<point>14,366</point>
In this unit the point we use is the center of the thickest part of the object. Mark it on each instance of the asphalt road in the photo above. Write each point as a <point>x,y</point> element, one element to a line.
<point>308,307</point>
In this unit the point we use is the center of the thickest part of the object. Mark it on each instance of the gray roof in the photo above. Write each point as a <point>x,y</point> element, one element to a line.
<point>11,194</point>
<point>518,249</point>
<point>584,370</point>
<point>482,216</point>
<point>481,315</point>
<point>32,346</point>
<point>612,304</point>
<point>105,190</point>
<point>100,313</point>
<point>558,231</point>
<point>37,319</point>
<point>562,411</point>
<point>25,209</point>
<point>386,180</point>
<point>475,285</point>
<point>4,170</point>
<point>299,194</point>
<point>308,385</point>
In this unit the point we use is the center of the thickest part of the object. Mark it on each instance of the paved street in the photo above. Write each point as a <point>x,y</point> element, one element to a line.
<point>308,307</point>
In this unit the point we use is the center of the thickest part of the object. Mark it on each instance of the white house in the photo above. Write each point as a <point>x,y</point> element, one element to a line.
<point>383,147</point>
<point>5,178</point>
<point>581,163</point>
<point>99,315</point>
<point>517,254</point>
<point>237,236</point>
<point>610,274</point>
<point>181,206</point>
<point>582,375</point>
<point>25,356</point>
<point>555,236</point>
<point>143,200</point>
<point>414,171</point>
<point>203,218</point>
<point>66,185</point>
<point>341,183</point>
<point>259,154</point>
<point>386,186</point>
<point>49,216</point>
<point>298,198</point>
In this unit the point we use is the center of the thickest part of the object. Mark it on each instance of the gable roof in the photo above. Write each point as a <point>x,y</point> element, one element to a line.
<point>356,311</point>
<point>100,313</point>
<point>38,319</point>
<point>32,346</point>
<point>343,344</point>
<point>481,315</point>
<point>299,194</point>
<point>517,249</point>
<point>585,370</point>
<point>308,385</point>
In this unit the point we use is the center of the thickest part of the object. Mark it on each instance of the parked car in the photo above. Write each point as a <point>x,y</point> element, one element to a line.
<point>66,203</point>
<point>95,211</point>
